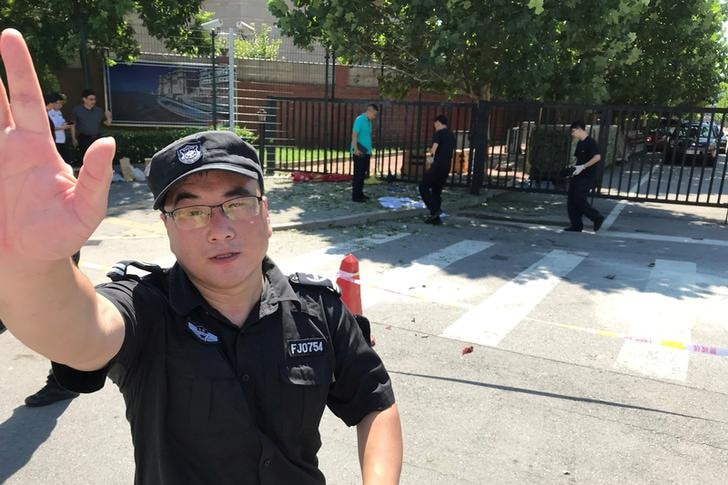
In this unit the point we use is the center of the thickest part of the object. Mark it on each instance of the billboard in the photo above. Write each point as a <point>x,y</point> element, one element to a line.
<point>146,93</point>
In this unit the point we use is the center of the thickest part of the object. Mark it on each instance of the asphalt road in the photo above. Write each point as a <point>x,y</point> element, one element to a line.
<point>557,389</point>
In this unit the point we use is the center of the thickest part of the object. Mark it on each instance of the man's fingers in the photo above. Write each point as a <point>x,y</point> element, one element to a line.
<point>26,99</point>
<point>94,179</point>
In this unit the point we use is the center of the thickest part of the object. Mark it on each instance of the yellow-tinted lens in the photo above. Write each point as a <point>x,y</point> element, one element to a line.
<point>192,217</point>
<point>242,208</point>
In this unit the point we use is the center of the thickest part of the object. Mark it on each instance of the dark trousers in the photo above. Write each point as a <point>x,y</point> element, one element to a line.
<point>431,191</point>
<point>577,203</point>
<point>361,165</point>
<point>85,141</point>
<point>61,147</point>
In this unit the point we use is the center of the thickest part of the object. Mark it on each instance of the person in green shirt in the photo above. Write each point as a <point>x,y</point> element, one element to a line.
<point>361,150</point>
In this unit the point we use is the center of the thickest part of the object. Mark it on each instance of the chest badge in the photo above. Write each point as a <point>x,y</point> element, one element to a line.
<point>310,346</point>
<point>202,334</point>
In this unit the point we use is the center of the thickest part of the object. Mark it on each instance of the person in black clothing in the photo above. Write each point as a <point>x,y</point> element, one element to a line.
<point>443,145</point>
<point>225,364</point>
<point>583,180</point>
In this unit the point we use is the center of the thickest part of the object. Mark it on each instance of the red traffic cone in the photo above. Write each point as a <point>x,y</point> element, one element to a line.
<point>348,280</point>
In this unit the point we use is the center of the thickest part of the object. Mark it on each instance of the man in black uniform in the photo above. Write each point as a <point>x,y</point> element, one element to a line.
<point>225,364</point>
<point>443,145</point>
<point>583,180</point>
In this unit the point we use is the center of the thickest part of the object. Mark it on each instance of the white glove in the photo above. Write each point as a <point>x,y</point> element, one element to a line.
<point>578,169</point>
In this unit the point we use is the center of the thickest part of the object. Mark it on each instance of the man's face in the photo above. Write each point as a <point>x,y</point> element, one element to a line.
<point>578,133</point>
<point>224,254</point>
<point>371,114</point>
<point>89,101</point>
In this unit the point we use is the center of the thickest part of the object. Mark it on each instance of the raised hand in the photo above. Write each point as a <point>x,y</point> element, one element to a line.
<point>45,213</point>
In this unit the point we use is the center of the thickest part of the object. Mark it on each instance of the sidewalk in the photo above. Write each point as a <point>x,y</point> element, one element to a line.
<point>309,205</point>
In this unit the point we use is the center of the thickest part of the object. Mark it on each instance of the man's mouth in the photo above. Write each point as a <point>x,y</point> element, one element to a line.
<point>224,256</point>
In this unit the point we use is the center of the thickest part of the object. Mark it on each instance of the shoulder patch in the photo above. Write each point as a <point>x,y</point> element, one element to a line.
<point>120,271</point>
<point>307,279</point>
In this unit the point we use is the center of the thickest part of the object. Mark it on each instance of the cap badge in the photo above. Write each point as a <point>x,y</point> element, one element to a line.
<point>189,154</point>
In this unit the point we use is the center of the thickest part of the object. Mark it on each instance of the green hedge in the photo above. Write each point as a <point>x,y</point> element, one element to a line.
<point>140,143</point>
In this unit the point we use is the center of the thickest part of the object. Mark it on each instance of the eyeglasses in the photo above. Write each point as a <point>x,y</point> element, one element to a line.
<point>196,216</point>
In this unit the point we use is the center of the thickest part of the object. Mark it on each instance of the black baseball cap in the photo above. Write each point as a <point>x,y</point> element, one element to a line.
<point>206,150</point>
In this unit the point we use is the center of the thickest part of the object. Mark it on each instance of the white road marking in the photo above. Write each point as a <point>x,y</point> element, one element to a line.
<point>494,318</point>
<point>665,238</point>
<point>613,215</point>
<point>664,310</point>
<point>402,279</point>
<point>327,258</point>
<point>623,203</point>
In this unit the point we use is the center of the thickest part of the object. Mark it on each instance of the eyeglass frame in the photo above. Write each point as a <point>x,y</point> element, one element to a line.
<point>170,214</point>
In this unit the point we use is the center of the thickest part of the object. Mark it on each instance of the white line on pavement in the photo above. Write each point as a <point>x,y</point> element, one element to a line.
<point>623,203</point>
<point>665,310</point>
<point>494,318</point>
<point>401,279</point>
<point>666,238</point>
<point>325,259</point>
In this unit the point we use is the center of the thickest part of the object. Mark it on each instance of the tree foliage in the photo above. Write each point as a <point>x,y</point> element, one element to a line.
<point>567,50</point>
<point>682,56</point>
<point>260,46</point>
<point>55,30</point>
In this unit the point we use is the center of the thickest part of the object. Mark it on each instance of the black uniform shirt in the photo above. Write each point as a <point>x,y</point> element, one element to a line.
<point>443,155</point>
<point>211,403</point>
<point>585,150</point>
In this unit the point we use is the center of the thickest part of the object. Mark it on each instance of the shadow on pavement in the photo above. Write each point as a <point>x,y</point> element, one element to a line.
<point>22,434</point>
<point>552,395</point>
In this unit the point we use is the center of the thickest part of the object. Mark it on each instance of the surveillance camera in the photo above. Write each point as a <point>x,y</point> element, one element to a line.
<point>212,24</point>
<point>242,25</point>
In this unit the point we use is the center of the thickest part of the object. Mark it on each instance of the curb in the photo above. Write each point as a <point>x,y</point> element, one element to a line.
<point>469,201</point>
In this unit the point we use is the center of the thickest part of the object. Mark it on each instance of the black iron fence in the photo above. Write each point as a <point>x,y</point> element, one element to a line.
<point>649,154</point>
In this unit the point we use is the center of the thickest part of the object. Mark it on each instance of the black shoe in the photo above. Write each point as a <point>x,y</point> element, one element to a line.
<point>434,220</point>
<point>572,229</point>
<point>598,223</point>
<point>359,199</point>
<point>50,393</point>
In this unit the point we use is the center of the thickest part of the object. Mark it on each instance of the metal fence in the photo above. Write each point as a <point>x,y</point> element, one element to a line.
<point>649,154</point>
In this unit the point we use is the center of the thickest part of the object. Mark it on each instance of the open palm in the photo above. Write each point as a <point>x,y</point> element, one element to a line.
<point>45,213</point>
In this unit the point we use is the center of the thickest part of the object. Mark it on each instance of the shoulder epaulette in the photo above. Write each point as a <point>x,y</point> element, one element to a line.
<point>119,270</point>
<point>307,279</point>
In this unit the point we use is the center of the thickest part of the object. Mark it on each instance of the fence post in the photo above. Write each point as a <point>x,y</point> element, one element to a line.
<point>271,121</point>
<point>480,144</point>
<point>605,126</point>
<point>232,105</point>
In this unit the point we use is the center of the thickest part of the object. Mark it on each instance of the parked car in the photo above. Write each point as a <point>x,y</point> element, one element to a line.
<point>693,143</point>
<point>656,140</point>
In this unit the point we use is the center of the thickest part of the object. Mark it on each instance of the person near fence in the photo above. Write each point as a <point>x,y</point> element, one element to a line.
<point>583,179</point>
<point>225,364</point>
<point>54,103</point>
<point>443,147</point>
<point>87,119</point>
<point>361,151</point>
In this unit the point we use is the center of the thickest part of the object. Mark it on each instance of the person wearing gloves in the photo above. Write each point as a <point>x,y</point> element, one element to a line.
<point>583,179</point>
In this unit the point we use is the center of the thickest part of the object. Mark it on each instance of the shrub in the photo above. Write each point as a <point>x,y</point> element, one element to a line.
<point>140,143</point>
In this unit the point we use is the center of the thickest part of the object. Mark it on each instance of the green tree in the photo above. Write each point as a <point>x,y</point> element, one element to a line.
<point>261,46</point>
<point>58,30</point>
<point>508,49</point>
<point>683,56</point>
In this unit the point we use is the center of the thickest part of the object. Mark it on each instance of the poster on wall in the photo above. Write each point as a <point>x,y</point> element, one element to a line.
<point>145,93</point>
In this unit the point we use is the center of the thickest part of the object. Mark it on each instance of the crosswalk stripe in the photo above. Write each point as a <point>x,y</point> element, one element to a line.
<point>494,318</point>
<point>401,279</point>
<point>662,311</point>
<point>325,260</point>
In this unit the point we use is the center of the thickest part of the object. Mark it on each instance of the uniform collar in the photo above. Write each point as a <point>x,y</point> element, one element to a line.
<point>184,296</point>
